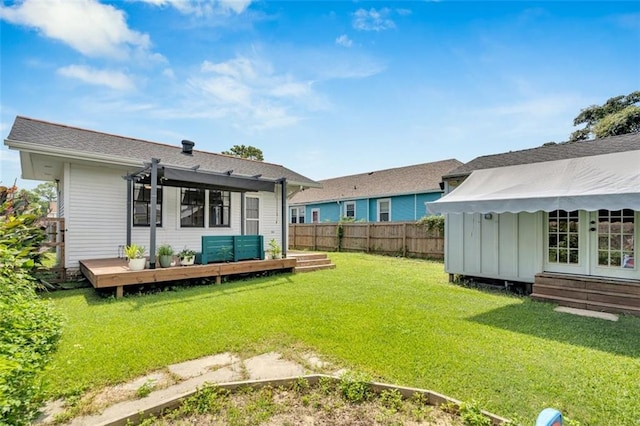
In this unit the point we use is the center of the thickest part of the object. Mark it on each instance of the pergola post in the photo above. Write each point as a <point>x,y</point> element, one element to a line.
<point>153,213</point>
<point>129,207</point>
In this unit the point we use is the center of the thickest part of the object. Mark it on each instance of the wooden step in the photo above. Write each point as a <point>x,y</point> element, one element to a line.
<point>587,304</point>
<point>313,262</point>
<point>309,262</point>
<point>314,268</point>
<point>594,295</point>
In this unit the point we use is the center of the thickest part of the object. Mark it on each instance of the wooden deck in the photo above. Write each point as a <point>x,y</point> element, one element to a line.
<point>108,273</point>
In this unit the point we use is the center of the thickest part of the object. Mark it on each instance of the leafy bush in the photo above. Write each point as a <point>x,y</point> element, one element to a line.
<point>29,327</point>
<point>432,224</point>
<point>355,387</point>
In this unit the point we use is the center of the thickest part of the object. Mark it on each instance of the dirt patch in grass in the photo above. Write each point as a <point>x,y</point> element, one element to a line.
<point>327,403</point>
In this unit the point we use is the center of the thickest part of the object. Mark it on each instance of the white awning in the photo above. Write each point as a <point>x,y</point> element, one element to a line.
<point>610,181</point>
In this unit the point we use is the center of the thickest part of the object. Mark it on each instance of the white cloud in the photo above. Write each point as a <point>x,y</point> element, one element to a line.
<point>203,8</point>
<point>168,72</point>
<point>344,40</point>
<point>113,79</point>
<point>91,28</point>
<point>251,91</point>
<point>372,20</point>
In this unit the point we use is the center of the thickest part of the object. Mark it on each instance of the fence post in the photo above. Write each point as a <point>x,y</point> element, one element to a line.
<point>404,239</point>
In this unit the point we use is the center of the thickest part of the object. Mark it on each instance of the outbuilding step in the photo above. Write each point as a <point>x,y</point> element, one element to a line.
<point>586,292</point>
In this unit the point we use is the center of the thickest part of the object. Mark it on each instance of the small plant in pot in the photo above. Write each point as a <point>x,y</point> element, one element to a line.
<point>135,254</point>
<point>187,257</point>
<point>275,252</point>
<point>165,255</point>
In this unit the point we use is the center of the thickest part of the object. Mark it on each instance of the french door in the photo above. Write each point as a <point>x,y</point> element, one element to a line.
<point>602,243</point>
<point>614,238</point>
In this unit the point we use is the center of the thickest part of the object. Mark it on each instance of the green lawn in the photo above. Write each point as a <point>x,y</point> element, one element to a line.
<point>396,319</point>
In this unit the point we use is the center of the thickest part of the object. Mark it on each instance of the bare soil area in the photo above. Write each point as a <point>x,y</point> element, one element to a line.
<point>324,404</point>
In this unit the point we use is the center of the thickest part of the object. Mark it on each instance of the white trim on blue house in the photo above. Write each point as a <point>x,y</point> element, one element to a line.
<point>380,201</point>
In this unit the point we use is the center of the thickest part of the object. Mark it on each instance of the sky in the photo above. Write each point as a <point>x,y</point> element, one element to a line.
<point>324,88</point>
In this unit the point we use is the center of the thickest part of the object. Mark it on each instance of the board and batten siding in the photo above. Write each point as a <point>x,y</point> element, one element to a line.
<point>96,217</point>
<point>508,246</point>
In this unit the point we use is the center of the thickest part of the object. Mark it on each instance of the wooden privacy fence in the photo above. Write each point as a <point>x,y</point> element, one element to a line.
<point>405,239</point>
<point>54,230</point>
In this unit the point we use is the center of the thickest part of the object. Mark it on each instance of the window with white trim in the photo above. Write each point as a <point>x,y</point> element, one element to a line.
<point>297,214</point>
<point>384,210</point>
<point>315,215</point>
<point>350,209</point>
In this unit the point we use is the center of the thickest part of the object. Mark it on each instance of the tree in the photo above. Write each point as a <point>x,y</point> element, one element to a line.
<point>249,152</point>
<point>617,116</point>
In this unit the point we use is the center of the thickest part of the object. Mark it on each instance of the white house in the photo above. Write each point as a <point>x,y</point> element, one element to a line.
<point>563,217</point>
<point>105,190</point>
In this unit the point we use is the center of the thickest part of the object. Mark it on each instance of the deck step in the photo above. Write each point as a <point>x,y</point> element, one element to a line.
<point>309,262</point>
<point>314,268</point>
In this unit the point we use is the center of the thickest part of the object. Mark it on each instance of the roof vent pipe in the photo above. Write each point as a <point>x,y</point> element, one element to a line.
<point>187,147</point>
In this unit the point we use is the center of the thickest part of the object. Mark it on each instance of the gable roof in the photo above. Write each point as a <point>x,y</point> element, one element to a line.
<point>561,151</point>
<point>37,136</point>
<point>419,178</point>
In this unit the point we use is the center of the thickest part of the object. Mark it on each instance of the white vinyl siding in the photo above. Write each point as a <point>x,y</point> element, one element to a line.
<point>95,212</point>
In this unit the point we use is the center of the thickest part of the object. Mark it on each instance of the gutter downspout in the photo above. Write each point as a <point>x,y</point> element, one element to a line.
<point>283,222</point>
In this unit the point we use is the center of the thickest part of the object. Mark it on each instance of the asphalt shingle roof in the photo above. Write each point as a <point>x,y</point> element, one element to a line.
<point>72,139</point>
<point>561,151</point>
<point>418,178</point>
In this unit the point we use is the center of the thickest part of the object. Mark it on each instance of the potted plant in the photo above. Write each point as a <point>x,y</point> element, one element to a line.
<point>135,254</point>
<point>275,252</point>
<point>165,255</point>
<point>187,257</point>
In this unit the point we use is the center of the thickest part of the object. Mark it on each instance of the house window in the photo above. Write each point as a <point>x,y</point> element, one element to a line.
<point>384,210</point>
<point>297,214</point>
<point>142,205</point>
<point>564,241</point>
<point>350,210</point>
<point>615,238</point>
<point>315,215</point>
<point>192,206</point>
<point>219,209</point>
<point>252,214</point>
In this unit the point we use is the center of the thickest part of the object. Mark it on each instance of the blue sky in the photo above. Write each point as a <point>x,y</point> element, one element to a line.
<point>324,88</point>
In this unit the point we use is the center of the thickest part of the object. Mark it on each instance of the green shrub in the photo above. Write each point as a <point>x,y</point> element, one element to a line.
<point>355,387</point>
<point>29,327</point>
<point>432,224</point>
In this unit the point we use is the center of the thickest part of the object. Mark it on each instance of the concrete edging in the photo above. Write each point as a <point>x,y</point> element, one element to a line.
<point>433,398</point>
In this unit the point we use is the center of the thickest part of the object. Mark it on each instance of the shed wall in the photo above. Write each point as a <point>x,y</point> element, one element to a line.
<point>507,246</point>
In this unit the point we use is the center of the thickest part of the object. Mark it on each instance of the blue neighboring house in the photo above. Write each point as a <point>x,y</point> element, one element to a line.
<point>392,195</point>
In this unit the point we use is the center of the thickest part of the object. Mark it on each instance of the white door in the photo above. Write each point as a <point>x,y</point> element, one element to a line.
<point>252,215</point>
<point>613,237</point>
